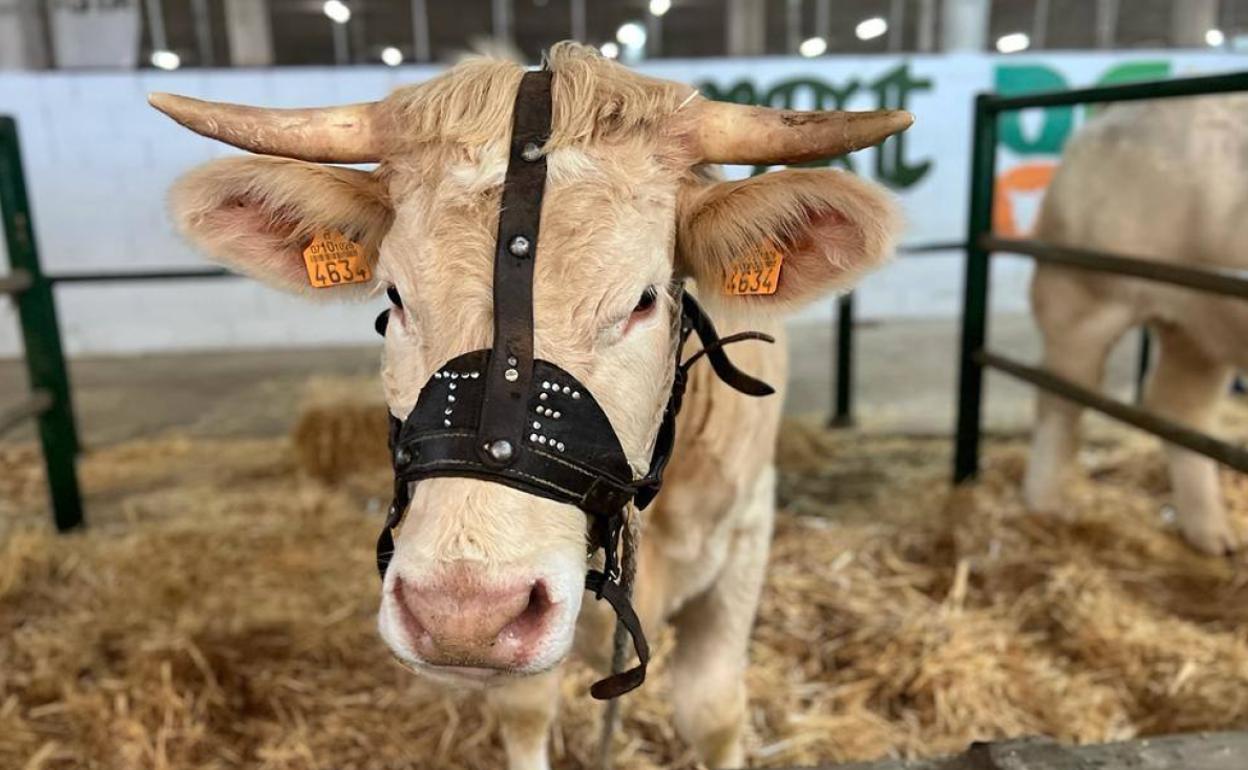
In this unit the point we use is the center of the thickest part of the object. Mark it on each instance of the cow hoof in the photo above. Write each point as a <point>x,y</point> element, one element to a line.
<point>1213,540</point>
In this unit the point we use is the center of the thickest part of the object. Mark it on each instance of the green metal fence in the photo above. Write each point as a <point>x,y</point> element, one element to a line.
<point>49,399</point>
<point>981,244</point>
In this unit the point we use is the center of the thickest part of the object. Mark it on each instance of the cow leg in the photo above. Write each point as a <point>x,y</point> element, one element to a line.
<point>712,640</point>
<point>526,707</point>
<point>1079,332</point>
<point>1186,387</point>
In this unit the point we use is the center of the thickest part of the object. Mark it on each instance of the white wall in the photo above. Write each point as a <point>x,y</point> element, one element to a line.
<point>99,160</point>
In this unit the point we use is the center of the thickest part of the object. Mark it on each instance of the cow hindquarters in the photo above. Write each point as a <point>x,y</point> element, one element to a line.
<point>1079,329</point>
<point>712,638</point>
<point>1186,386</point>
<point>525,708</point>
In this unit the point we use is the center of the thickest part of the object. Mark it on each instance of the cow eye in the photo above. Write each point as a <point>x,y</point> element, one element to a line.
<point>393,294</point>
<point>647,300</point>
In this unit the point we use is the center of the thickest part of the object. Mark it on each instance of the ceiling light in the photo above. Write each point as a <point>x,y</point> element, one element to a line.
<point>1215,37</point>
<point>1013,42</point>
<point>870,29</point>
<point>610,50</point>
<point>660,7</point>
<point>166,60</point>
<point>392,56</point>
<point>813,46</point>
<point>631,34</point>
<point>337,11</point>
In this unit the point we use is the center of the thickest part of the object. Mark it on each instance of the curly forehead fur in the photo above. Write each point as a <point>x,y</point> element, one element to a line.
<point>594,99</point>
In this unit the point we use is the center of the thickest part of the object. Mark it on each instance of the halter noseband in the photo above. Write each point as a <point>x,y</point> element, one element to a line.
<point>502,416</point>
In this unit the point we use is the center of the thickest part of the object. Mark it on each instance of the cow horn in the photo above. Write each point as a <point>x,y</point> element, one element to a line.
<point>738,133</point>
<point>345,134</point>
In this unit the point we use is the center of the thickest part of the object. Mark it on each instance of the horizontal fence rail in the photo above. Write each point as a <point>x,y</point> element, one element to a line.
<point>35,404</point>
<point>15,282</point>
<point>1232,283</point>
<point>1229,454</point>
<point>1127,92</point>
<point>141,275</point>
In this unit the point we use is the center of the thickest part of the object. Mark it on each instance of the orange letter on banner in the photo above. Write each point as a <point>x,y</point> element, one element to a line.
<point>1029,177</point>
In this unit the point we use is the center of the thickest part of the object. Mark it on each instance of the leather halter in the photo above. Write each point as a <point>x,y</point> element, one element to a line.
<point>502,416</point>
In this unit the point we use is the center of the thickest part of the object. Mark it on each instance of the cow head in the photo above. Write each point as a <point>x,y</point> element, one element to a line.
<point>486,581</point>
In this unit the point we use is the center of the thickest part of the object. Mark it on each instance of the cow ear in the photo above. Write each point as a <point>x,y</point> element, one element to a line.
<point>257,215</point>
<point>824,228</point>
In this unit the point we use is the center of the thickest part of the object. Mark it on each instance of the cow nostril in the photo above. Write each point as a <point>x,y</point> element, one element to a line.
<point>534,613</point>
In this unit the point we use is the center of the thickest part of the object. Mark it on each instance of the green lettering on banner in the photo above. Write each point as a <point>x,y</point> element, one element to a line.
<point>1019,79</point>
<point>1131,72</point>
<point>742,92</point>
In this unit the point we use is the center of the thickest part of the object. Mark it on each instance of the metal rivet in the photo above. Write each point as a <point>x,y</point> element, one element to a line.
<point>454,375</point>
<point>452,386</point>
<point>543,396</point>
<point>519,246</point>
<point>402,456</point>
<point>511,361</point>
<point>533,437</point>
<point>541,439</point>
<point>545,385</point>
<point>447,423</point>
<point>437,375</point>
<point>450,399</point>
<point>448,411</point>
<point>536,424</point>
<point>475,375</point>
<point>511,375</point>
<point>566,390</point>
<point>557,415</point>
<point>531,152</point>
<point>559,446</point>
<point>500,450</point>
<point>576,394</point>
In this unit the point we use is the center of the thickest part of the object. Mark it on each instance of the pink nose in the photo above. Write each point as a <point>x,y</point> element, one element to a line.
<point>458,622</point>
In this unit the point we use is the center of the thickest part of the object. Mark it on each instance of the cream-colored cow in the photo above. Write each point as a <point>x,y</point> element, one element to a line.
<point>485,587</point>
<point>1161,180</point>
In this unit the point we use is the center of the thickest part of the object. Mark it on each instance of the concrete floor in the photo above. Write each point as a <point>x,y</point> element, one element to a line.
<point>905,382</point>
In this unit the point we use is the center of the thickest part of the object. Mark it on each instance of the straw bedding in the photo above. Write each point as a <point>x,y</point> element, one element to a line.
<point>219,614</point>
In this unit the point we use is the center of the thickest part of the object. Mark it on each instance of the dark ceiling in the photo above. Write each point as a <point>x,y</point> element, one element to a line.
<point>303,35</point>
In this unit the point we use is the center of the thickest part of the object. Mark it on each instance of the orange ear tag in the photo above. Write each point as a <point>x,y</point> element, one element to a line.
<point>756,274</point>
<point>333,260</point>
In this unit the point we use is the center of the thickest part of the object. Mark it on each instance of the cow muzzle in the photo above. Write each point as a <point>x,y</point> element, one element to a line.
<point>462,624</point>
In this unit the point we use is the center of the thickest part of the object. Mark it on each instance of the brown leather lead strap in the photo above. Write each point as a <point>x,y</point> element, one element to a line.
<point>503,417</point>
<point>618,684</point>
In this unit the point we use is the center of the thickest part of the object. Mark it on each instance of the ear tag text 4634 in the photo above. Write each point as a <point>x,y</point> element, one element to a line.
<point>757,274</point>
<point>334,260</point>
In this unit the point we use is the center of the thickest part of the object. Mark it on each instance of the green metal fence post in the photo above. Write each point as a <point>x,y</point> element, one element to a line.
<point>45,360</point>
<point>975,289</point>
<point>843,411</point>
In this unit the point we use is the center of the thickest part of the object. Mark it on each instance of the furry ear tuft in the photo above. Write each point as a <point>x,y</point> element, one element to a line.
<point>830,228</point>
<point>255,215</point>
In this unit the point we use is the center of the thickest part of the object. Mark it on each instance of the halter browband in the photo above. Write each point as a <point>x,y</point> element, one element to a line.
<point>502,416</point>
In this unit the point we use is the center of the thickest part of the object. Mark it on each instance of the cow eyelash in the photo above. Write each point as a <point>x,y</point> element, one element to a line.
<point>647,300</point>
<point>393,294</point>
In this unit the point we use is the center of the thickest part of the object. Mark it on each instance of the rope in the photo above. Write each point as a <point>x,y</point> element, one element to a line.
<point>619,650</point>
